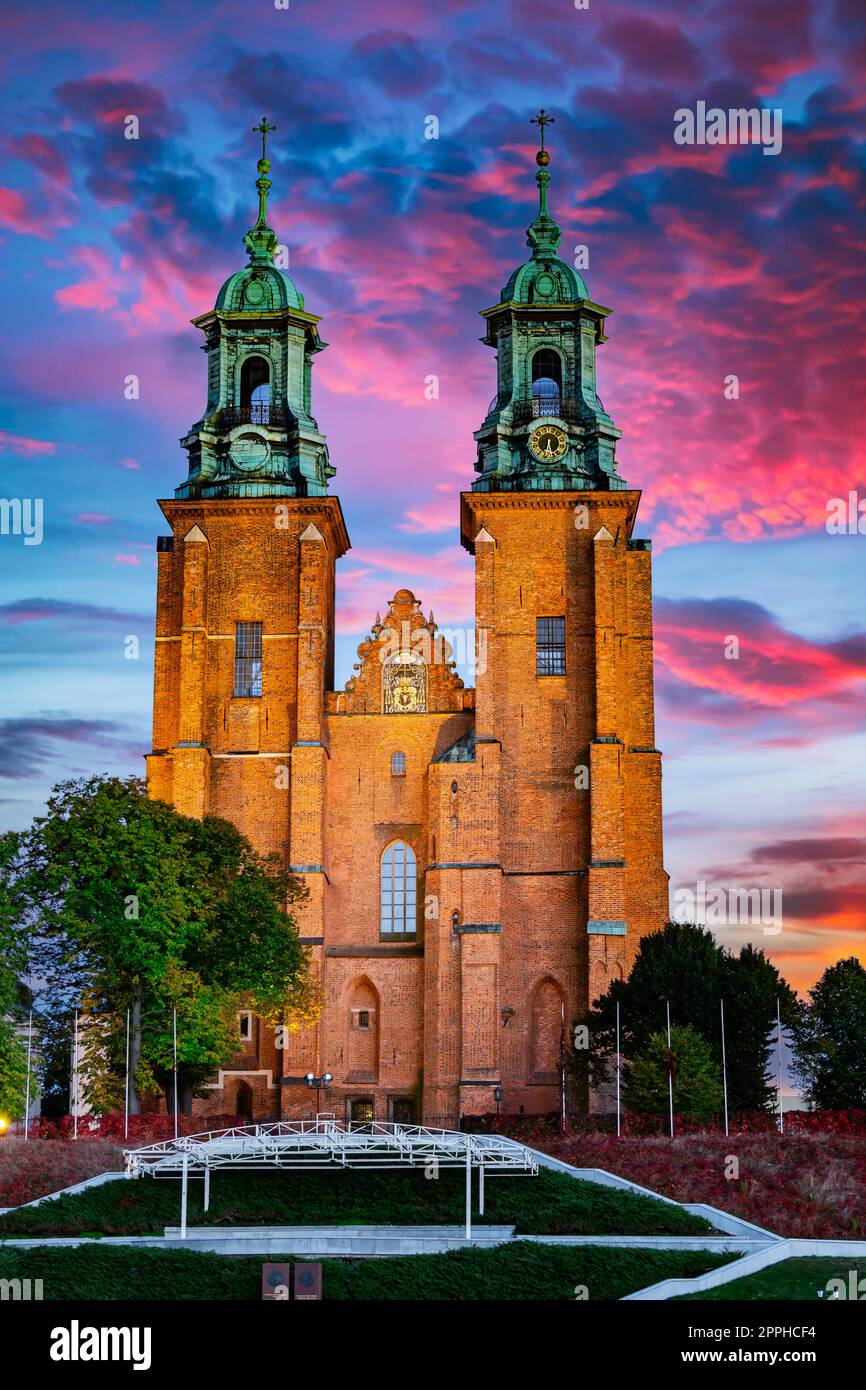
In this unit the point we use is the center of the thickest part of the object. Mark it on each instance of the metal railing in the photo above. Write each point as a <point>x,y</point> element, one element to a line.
<point>276,417</point>
<point>551,403</point>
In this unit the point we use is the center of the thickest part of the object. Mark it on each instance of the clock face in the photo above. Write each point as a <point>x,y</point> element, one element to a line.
<point>548,443</point>
<point>249,451</point>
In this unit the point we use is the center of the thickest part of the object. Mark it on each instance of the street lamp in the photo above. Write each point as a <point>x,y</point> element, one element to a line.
<point>319,1082</point>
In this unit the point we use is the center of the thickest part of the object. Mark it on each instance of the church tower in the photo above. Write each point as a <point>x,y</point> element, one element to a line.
<point>245,590</point>
<point>565,789</point>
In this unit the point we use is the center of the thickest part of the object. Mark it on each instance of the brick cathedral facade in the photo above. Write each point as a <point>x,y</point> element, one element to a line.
<point>480,863</point>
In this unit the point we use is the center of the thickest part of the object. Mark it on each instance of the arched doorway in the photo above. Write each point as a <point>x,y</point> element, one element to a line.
<point>256,389</point>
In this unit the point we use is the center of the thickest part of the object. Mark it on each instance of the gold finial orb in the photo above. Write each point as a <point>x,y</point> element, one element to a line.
<point>542,158</point>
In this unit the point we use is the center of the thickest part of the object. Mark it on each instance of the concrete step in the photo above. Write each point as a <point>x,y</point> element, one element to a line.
<point>336,1240</point>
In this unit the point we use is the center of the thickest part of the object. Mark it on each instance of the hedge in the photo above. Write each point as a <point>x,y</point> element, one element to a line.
<point>519,1271</point>
<point>549,1204</point>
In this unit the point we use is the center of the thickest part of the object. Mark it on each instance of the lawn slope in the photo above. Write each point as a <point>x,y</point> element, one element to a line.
<point>520,1271</point>
<point>549,1204</point>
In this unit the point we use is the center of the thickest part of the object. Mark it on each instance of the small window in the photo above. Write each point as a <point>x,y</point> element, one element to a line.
<point>248,660</point>
<point>398,764</point>
<point>245,1026</point>
<point>363,1018</point>
<point>550,646</point>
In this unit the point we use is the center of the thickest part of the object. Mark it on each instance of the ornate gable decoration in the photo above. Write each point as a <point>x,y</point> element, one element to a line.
<point>405,666</point>
<point>404,684</point>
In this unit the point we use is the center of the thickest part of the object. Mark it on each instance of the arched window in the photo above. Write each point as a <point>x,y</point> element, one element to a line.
<point>362,1040</point>
<point>397,890</point>
<point>546,382</point>
<point>256,390</point>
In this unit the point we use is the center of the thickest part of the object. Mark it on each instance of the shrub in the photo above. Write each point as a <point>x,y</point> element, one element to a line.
<point>518,1271</point>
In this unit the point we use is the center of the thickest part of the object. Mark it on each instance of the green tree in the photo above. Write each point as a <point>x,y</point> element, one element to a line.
<point>697,1081</point>
<point>830,1041</point>
<point>752,987</point>
<point>13,960</point>
<point>131,906</point>
<point>684,964</point>
<point>13,1073</point>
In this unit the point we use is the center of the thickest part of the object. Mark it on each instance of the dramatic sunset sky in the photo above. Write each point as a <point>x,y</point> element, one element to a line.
<point>716,260</point>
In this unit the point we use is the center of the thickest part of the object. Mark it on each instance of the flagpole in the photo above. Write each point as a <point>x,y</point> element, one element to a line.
<point>779,1042</point>
<point>126,1085</point>
<point>563,1117</point>
<point>75,1078</point>
<point>27,1092</point>
<point>724,1064</point>
<point>174,1029</point>
<point>618,1070</point>
<point>670,1069</point>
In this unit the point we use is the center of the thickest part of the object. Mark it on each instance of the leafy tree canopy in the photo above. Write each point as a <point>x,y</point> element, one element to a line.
<point>685,965</point>
<point>830,1041</point>
<point>130,906</point>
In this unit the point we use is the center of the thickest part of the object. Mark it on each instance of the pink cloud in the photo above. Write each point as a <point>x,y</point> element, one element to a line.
<point>100,287</point>
<point>773,669</point>
<point>14,214</point>
<point>21,444</point>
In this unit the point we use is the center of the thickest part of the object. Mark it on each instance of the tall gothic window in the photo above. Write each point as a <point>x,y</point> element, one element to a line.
<point>546,382</point>
<point>397,890</point>
<point>256,390</point>
<point>550,646</point>
<point>248,659</point>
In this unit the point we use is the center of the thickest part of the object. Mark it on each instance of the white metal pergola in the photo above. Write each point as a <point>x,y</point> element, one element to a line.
<point>329,1144</point>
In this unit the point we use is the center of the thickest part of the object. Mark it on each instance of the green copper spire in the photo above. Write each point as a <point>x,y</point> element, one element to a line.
<point>543,235</point>
<point>261,241</point>
<point>545,429</point>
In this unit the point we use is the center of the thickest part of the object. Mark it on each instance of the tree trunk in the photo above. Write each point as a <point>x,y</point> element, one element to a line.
<point>184,1095</point>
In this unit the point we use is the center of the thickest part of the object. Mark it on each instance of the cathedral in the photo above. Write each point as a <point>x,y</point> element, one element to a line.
<point>480,863</point>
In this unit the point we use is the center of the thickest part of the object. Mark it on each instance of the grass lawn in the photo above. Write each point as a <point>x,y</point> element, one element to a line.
<point>519,1271</point>
<point>549,1204</point>
<point>798,1279</point>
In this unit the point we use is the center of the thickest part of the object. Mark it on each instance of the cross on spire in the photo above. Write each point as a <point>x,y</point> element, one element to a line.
<point>541,120</point>
<point>261,240</point>
<point>264,129</point>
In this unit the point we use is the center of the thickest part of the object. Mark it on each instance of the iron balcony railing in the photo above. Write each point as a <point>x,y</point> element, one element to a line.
<point>564,407</point>
<point>259,413</point>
